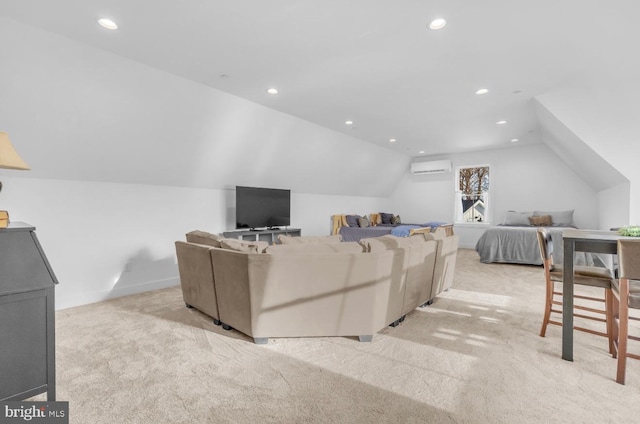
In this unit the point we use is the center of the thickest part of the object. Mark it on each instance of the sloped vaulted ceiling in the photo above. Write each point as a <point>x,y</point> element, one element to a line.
<point>76,112</point>
<point>374,62</point>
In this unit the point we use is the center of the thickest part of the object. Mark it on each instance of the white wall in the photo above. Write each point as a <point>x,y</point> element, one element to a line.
<point>522,178</point>
<point>613,207</point>
<point>106,240</point>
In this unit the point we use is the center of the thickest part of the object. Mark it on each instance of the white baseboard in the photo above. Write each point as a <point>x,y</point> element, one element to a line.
<point>64,302</point>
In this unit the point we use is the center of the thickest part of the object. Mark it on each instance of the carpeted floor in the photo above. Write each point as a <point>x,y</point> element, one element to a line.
<point>474,356</point>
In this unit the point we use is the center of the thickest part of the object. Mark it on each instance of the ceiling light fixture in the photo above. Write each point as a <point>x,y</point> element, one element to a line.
<point>501,122</point>
<point>513,140</point>
<point>272,91</point>
<point>348,122</point>
<point>392,140</point>
<point>107,23</point>
<point>482,91</point>
<point>438,23</point>
<point>421,151</point>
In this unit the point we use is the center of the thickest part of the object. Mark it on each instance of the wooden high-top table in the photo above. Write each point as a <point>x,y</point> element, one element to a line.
<point>580,241</point>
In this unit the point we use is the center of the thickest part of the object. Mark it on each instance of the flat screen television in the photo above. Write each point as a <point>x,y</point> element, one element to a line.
<point>262,207</point>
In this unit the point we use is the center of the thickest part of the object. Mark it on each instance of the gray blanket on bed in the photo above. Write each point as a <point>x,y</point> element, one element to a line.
<point>519,245</point>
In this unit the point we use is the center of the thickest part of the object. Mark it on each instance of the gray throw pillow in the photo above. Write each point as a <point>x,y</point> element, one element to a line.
<point>396,220</point>
<point>352,220</point>
<point>386,217</point>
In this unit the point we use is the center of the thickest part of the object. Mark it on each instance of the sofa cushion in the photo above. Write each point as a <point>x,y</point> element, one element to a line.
<point>336,238</point>
<point>244,245</point>
<point>311,248</point>
<point>202,237</point>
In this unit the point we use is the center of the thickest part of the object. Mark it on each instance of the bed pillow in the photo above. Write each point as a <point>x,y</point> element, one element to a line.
<point>517,218</point>
<point>541,221</point>
<point>352,220</point>
<point>396,220</point>
<point>559,218</point>
<point>363,222</point>
<point>386,217</point>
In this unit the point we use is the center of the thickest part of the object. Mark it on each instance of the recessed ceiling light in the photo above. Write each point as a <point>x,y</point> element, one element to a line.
<point>517,91</point>
<point>392,140</point>
<point>437,23</point>
<point>107,23</point>
<point>348,122</point>
<point>272,91</point>
<point>224,76</point>
<point>421,151</point>
<point>501,122</point>
<point>482,91</point>
<point>513,140</point>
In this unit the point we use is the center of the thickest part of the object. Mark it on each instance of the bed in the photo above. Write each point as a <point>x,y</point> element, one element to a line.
<point>516,244</point>
<point>355,228</point>
<point>515,241</point>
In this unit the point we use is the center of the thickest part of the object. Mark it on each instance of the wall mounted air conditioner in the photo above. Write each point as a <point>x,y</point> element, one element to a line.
<point>431,167</point>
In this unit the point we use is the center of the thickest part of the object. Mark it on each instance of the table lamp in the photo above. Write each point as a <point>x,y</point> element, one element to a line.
<point>9,159</point>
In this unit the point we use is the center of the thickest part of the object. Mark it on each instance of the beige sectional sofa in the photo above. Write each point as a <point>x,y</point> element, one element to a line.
<point>313,286</point>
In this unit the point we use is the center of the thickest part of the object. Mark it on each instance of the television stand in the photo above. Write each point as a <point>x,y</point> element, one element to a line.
<point>268,235</point>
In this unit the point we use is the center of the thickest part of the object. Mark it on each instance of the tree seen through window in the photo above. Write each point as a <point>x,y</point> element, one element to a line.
<point>473,193</point>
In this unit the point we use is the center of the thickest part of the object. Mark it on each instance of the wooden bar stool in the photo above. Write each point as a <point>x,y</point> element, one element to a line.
<point>583,275</point>
<point>626,293</point>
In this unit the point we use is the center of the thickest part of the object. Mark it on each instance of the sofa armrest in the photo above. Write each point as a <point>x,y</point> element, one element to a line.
<point>196,277</point>
<point>445,264</point>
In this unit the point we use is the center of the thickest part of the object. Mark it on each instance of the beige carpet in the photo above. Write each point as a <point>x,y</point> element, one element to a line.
<point>474,356</point>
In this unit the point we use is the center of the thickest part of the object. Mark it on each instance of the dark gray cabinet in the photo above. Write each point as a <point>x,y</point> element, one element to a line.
<point>270,236</point>
<point>27,316</point>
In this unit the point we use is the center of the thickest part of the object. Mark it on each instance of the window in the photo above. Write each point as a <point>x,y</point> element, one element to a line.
<point>472,194</point>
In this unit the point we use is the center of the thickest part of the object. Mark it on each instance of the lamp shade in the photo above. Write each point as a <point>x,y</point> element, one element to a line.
<point>9,158</point>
